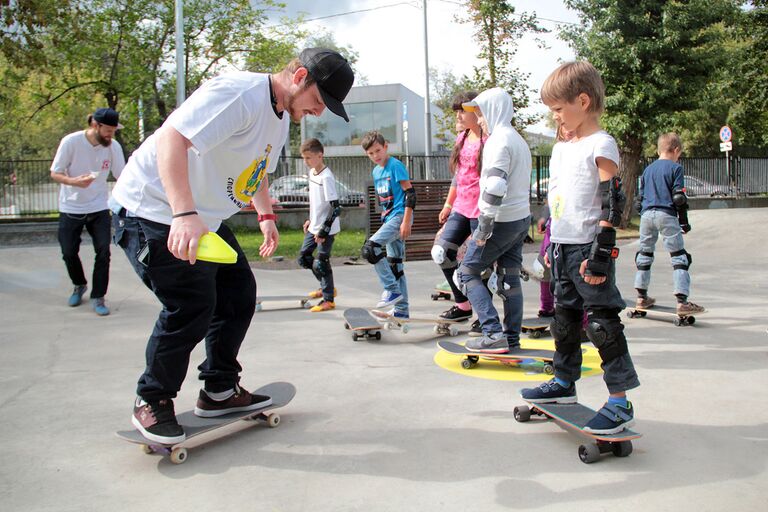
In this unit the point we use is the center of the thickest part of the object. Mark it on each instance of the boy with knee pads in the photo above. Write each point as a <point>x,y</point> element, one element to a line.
<point>586,202</point>
<point>663,208</point>
<point>385,249</point>
<point>322,226</point>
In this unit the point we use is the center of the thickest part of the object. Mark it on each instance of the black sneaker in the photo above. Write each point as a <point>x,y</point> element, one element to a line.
<point>550,393</point>
<point>476,330</point>
<point>240,401</point>
<point>157,421</point>
<point>456,313</point>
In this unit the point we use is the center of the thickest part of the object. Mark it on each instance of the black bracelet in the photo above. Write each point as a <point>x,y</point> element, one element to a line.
<point>184,214</point>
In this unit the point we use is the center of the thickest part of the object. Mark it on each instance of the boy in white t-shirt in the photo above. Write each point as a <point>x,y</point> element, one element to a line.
<point>210,158</point>
<point>82,164</point>
<point>322,225</point>
<point>586,202</point>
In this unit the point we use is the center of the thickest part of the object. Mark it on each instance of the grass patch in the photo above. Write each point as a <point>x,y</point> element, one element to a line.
<point>347,243</point>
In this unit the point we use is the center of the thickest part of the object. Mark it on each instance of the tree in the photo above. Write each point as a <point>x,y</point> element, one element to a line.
<point>498,29</point>
<point>655,58</point>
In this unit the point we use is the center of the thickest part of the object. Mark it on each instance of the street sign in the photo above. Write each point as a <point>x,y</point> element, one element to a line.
<point>725,134</point>
<point>726,146</point>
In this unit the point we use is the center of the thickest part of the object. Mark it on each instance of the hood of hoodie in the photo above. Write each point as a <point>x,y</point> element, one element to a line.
<point>497,108</point>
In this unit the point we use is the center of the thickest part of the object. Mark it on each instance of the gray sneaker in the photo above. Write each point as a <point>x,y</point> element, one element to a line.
<point>495,343</point>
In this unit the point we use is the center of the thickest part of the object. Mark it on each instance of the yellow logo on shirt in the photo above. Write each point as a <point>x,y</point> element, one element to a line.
<point>249,181</point>
<point>556,205</point>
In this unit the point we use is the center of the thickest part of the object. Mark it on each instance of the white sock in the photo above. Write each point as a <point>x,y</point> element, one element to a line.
<point>223,395</point>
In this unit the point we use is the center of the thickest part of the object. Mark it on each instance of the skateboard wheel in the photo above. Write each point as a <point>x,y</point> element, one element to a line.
<point>147,449</point>
<point>179,455</point>
<point>589,453</point>
<point>434,296</point>
<point>549,369</point>
<point>355,337</point>
<point>468,364</point>
<point>522,413</point>
<point>622,449</point>
<point>259,306</point>
<point>405,329</point>
<point>690,320</point>
<point>273,420</point>
<point>534,334</point>
<point>630,315</point>
<point>306,304</point>
<point>378,335</point>
<point>678,322</point>
<point>436,329</point>
<point>453,331</point>
<point>643,314</point>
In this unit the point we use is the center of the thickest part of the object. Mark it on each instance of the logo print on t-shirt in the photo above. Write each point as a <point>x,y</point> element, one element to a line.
<point>249,181</point>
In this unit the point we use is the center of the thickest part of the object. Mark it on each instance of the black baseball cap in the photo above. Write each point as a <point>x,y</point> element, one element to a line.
<point>108,117</point>
<point>333,75</point>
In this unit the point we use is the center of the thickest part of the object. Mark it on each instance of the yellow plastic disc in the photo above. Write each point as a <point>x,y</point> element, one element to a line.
<point>214,249</point>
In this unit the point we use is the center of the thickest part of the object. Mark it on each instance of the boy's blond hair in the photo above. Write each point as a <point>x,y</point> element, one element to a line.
<point>571,79</point>
<point>668,142</point>
<point>312,146</point>
<point>372,138</point>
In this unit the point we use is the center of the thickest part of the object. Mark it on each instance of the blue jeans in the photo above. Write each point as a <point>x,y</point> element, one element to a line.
<point>457,229</point>
<point>388,236</point>
<point>202,301</point>
<point>505,248</point>
<point>653,223</point>
<point>307,260</point>
<point>70,230</point>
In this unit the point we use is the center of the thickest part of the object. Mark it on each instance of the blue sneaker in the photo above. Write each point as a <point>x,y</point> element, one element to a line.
<point>611,419</point>
<point>401,314</point>
<point>389,299</point>
<point>77,295</point>
<point>550,392</point>
<point>99,307</point>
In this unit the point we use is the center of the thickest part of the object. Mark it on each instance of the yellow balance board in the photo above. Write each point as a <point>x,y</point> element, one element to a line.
<point>214,249</point>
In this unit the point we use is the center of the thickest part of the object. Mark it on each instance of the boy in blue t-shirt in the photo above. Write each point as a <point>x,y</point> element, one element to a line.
<point>397,199</point>
<point>663,206</point>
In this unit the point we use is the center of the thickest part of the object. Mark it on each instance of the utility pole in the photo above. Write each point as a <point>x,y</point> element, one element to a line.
<point>180,71</point>
<point>427,113</point>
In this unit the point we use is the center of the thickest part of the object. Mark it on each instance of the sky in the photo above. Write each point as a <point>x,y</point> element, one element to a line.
<point>389,39</point>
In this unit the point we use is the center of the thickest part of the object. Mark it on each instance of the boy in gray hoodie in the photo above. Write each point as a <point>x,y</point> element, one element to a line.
<point>505,217</point>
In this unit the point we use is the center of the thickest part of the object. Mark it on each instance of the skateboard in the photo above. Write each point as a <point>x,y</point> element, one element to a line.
<point>513,358</point>
<point>535,327</point>
<point>280,392</point>
<point>575,417</point>
<point>442,291</point>
<point>441,325</point>
<point>681,319</point>
<point>362,324</point>
<point>304,300</point>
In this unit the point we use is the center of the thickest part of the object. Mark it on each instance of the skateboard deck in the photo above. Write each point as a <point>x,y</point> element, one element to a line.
<point>535,326</point>
<point>575,417</point>
<point>513,358</point>
<point>441,325</point>
<point>680,319</point>
<point>304,300</point>
<point>362,324</point>
<point>280,392</point>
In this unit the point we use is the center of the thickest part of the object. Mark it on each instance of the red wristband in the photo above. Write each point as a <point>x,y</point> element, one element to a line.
<point>267,216</point>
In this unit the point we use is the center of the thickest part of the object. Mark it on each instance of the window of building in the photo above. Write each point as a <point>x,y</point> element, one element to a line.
<point>332,130</point>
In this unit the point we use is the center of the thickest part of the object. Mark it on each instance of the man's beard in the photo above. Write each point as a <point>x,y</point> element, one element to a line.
<point>103,141</point>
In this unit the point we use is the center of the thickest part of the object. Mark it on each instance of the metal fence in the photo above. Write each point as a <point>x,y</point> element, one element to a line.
<point>27,188</point>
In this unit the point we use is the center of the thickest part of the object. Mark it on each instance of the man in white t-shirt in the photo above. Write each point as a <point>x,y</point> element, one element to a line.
<point>81,165</point>
<point>323,224</point>
<point>207,161</point>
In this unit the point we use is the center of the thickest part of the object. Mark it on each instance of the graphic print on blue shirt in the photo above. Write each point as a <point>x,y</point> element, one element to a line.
<point>387,182</point>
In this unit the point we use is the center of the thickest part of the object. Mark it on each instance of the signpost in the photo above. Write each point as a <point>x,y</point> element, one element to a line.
<point>726,146</point>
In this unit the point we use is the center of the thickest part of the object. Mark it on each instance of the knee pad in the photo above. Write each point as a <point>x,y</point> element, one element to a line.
<point>679,263</point>
<point>321,267</point>
<point>438,254</point>
<point>606,332</point>
<point>643,260</point>
<point>566,329</point>
<point>395,264</point>
<point>305,260</point>
<point>371,252</point>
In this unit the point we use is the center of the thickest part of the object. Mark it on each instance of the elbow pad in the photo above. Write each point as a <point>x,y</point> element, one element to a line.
<point>679,199</point>
<point>328,224</point>
<point>410,198</point>
<point>613,200</point>
<point>494,188</point>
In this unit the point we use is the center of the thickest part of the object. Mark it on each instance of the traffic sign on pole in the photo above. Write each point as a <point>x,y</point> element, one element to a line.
<point>726,146</point>
<point>726,133</point>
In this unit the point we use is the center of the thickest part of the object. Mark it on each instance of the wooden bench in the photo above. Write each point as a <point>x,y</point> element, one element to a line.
<point>430,197</point>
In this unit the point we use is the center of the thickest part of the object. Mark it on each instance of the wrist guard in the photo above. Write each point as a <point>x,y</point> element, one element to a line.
<point>484,229</point>
<point>603,251</point>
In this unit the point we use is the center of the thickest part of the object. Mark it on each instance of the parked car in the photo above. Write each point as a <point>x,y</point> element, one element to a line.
<point>293,192</point>
<point>696,187</point>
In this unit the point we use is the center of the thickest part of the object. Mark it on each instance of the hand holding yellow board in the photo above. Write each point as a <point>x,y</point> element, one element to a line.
<point>213,248</point>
